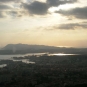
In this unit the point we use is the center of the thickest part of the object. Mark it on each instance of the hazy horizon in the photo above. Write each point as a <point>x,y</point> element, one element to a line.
<point>41,45</point>
<point>59,23</point>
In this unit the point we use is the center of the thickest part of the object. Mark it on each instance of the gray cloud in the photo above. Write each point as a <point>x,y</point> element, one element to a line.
<point>67,26</point>
<point>59,2</point>
<point>4,10</point>
<point>72,26</point>
<point>80,13</point>
<point>7,1</point>
<point>41,8</point>
<point>7,10</point>
<point>13,13</point>
<point>36,7</point>
<point>33,8</point>
<point>16,13</point>
<point>2,7</point>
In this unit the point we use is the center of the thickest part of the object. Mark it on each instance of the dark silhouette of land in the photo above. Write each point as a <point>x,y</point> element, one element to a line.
<point>48,71</point>
<point>25,48</point>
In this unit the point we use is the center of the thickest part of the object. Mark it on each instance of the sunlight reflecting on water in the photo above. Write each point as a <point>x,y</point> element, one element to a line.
<point>3,65</point>
<point>62,54</point>
<point>24,61</point>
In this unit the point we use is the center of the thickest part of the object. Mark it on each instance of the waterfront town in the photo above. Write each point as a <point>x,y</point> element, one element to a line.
<point>44,71</point>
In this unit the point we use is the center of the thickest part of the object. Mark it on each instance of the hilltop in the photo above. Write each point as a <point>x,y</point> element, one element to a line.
<point>26,48</point>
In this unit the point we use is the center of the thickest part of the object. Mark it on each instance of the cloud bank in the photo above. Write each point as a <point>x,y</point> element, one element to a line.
<point>66,26</point>
<point>7,1</point>
<point>41,8</point>
<point>73,26</point>
<point>38,8</point>
<point>55,3</point>
<point>31,8</point>
<point>80,13</point>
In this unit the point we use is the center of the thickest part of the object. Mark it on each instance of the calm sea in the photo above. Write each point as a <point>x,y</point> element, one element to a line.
<point>10,57</point>
<point>5,57</point>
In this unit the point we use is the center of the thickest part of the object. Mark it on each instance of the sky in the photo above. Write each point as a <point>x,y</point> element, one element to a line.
<point>44,22</point>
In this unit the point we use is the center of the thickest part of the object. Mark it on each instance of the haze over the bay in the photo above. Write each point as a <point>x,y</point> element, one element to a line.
<point>44,22</point>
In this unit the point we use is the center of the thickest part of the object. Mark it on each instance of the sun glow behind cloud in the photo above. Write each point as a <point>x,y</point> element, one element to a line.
<point>23,24</point>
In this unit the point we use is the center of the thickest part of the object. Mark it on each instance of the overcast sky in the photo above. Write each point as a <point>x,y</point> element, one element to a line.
<point>45,22</point>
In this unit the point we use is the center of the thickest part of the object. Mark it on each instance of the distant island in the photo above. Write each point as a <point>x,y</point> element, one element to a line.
<point>25,48</point>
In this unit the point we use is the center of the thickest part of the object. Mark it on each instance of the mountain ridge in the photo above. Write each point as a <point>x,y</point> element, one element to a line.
<point>26,48</point>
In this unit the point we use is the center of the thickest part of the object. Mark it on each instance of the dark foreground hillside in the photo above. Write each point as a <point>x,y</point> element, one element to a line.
<point>48,71</point>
